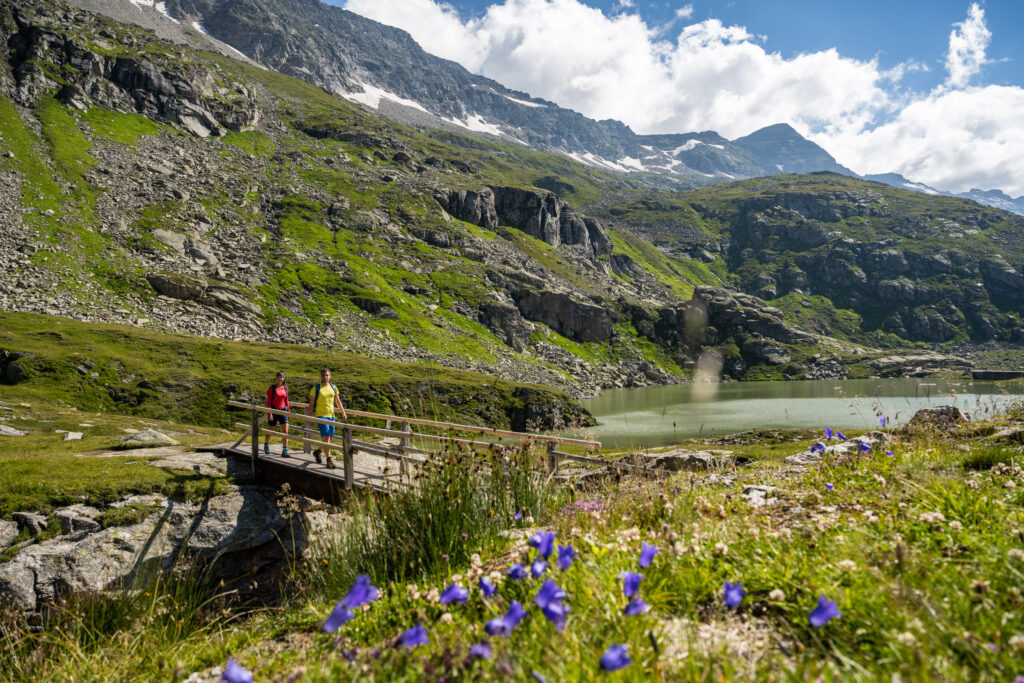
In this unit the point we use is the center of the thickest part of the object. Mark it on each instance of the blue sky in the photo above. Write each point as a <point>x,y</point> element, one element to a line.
<point>894,30</point>
<point>931,89</point>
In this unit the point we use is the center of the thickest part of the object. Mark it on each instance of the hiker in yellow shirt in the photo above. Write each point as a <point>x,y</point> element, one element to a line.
<point>323,399</point>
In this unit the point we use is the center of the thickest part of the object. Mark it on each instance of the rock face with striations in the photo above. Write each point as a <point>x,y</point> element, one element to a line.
<point>539,214</point>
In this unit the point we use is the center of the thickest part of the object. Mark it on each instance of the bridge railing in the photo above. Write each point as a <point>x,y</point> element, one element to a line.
<point>405,434</point>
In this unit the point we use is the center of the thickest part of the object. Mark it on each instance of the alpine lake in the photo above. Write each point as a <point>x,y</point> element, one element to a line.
<point>649,417</point>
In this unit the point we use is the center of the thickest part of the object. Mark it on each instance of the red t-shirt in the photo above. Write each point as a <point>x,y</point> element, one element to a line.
<point>277,398</point>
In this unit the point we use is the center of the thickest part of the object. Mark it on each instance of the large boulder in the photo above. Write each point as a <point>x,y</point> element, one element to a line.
<point>231,535</point>
<point>942,417</point>
<point>576,320</point>
<point>147,438</point>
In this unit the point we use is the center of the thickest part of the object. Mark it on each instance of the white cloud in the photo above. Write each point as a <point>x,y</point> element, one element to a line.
<point>719,77</point>
<point>684,12</point>
<point>967,45</point>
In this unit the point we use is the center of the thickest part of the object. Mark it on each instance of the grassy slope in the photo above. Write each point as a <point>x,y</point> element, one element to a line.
<point>188,379</point>
<point>922,552</point>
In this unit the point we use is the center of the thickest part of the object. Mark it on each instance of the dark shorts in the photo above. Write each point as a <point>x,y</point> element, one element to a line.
<point>276,420</point>
<point>326,430</point>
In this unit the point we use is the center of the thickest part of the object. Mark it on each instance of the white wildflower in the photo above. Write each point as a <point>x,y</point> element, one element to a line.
<point>956,526</point>
<point>932,517</point>
<point>1016,642</point>
<point>434,595</point>
<point>721,548</point>
<point>1016,554</point>
<point>777,595</point>
<point>446,618</point>
<point>847,565</point>
<point>906,638</point>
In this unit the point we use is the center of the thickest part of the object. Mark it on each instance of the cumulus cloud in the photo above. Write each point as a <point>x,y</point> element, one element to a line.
<point>719,77</point>
<point>967,45</point>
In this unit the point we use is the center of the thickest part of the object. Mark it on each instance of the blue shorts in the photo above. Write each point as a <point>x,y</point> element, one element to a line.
<point>326,430</point>
<point>276,420</point>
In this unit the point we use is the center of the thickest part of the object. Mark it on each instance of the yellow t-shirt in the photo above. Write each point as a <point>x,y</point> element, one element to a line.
<point>325,402</point>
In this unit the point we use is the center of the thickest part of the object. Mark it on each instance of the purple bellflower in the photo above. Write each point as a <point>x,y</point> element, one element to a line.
<point>234,673</point>
<point>517,572</point>
<point>890,454</point>
<point>339,615</point>
<point>537,677</point>
<point>733,594</point>
<point>518,515</point>
<point>454,593</point>
<point>828,434</point>
<point>818,448</point>
<point>840,435</point>
<point>417,635</point>
<point>566,554</point>
<point>360,593</point>
<point>614,658</point>
<point>630,583</point>
<point>480,650</point>
<point>864,448</point>
<point>647,553</point>
<point>486,587</point>
<point>824,612</point>
<point>882,421</point>
<point>556,613</point>
<point>548,593</point>
<point>501,626</point>
<point>537,568</point>
<point>544,542</point>
<point>635,606</point>
<point>829,486</point>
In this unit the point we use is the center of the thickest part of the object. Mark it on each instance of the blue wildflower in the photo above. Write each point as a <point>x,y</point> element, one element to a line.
<point>733,594</point>
<point>454,593</point>
<point>417,635</point>
<point>818,448</point>
<point>548,593</point>
<point>518,515</point>
<point>544,542</point>
<point>890,454</point>
<point>647,553</point>
<point>828,434</point>
<point>614,658</point>
<point>537,568</point>
<point>501,626</point>
<point>829,486</point>
<point>556,613</point>
<point>537,677</point>
<point>234,673</point>
<point>635,606</point>
<point>566,554</point>
<point>864,448</point>
<point>825,611</point>
<point>486,587</point>
<point>360,593</point>
<point>840,435</point>
<point>517,572</point>
<point>630,583</point>
<point>338,616</point>
<point>481,650</point>
<point>882,421</point>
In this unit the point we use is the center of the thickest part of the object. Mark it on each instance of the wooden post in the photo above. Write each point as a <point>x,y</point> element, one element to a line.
<point>255,439</point>
<point>346,439</point>
<point>404,445</point>
<point>553,457</point>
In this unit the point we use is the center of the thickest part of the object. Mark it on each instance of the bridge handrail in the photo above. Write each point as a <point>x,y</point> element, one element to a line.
<point>546,438</point>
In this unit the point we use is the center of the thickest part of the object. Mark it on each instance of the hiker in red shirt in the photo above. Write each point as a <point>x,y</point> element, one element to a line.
<point>277,398</point>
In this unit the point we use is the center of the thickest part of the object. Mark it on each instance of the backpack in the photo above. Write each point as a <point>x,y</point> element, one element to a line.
<point>316,399</point>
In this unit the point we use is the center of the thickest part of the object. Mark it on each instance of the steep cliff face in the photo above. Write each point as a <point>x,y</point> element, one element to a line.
<point>538,214</point>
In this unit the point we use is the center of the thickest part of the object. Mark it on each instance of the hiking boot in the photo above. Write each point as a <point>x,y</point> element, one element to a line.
<point>284,452</point>
<point>316,455</point>
<point>266,448</point>
<point>330,463</point>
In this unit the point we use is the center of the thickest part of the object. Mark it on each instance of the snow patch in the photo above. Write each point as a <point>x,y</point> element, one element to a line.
<point>591,159</point>
<point>199,27</point>
<point>160,7</point>
<point>686,146</point>
<point>779,166</point>
<point>477,124</point>
<point>921,188</point>
<point>524,102</point>
<point>372,95</point>
<point>630,162</point>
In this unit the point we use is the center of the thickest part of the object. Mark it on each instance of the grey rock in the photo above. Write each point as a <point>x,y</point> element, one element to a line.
<point>177,286</point>
<point>145,439</point>
<point>7,430</point>
<point>759,496</point>
<point>230,301</point>
<point>73,436</point>
<point>678,460</point>
<point>8,532</point>
<point>33,521</point>
<point>174,240</point>
<point>941,417</point>
<point>75,518</point>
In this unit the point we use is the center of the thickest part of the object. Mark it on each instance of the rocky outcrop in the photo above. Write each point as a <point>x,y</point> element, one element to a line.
<point>576,320</point>
<point>233,534</point>
<point>189,96</point>
<point>539,214</point>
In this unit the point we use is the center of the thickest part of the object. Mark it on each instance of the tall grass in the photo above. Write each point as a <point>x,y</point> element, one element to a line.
<point>144,626</point>
<point>457,503</point>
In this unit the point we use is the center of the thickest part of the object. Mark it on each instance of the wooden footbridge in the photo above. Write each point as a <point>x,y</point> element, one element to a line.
<point>382,458</point>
